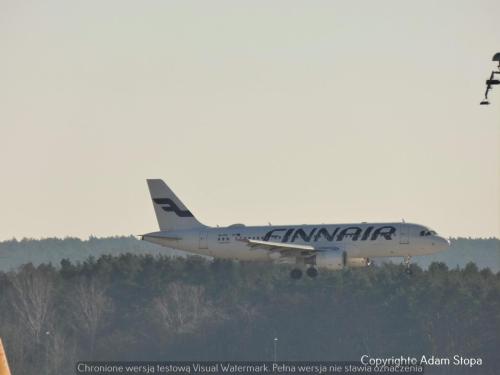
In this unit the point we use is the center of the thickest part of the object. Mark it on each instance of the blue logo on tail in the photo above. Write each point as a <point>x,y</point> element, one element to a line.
<point>169,206</point>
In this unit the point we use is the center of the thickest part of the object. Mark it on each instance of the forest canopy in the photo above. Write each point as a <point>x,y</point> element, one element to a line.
<point>144,307</point>
<point>65,300</point>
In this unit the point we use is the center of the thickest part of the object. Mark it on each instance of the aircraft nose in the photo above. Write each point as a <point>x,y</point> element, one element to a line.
<point>441,243</point>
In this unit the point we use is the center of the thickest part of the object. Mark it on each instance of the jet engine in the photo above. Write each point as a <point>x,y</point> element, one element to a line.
<point>330,260</point>
<point>357,262</point>
<point>338,261</point>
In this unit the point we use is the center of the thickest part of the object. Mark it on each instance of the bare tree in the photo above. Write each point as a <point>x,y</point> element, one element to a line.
<point>183,308</point>
<point>32,298</point>
<point>61,352</point>
<point>91,304</point>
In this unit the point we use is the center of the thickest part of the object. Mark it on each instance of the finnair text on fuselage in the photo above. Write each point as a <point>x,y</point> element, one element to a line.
<point>338,234</point>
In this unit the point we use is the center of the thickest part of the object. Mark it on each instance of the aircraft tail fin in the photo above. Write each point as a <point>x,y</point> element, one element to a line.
<point>4,365</point>
<point>170,211</point>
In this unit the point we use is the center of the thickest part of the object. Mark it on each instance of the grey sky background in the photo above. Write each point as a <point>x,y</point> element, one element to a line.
<point>252,111</point>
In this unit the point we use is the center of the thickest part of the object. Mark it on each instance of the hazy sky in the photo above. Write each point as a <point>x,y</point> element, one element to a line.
<point>252,111</point>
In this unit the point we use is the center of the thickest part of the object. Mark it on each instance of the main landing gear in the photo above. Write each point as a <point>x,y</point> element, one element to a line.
<point>296,273</point>
<point>312,272</point>
<point>408,265</point>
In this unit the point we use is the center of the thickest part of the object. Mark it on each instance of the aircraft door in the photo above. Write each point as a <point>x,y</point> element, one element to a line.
<point>203,239</point>
<point>404,234</point>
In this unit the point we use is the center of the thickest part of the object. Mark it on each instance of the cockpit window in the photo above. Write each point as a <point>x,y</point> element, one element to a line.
<point>427,232</point>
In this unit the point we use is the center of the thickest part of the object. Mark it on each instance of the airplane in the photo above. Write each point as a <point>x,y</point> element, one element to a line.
<point>332,246</point>
<point>4,365</point>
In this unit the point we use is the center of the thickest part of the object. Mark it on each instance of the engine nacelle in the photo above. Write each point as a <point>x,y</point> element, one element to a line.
<point>357,262</point>
<point>338,261</point>
<point>330,260</point>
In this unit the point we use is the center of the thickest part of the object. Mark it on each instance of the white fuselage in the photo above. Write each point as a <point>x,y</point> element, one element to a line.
<point>364,240</point>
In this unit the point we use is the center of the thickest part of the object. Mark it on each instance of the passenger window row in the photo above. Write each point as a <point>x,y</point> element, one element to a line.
<point>225,238</point>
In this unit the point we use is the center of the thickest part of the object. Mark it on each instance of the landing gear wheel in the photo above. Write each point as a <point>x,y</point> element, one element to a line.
<point>296,274</point>
<point>312,272</point>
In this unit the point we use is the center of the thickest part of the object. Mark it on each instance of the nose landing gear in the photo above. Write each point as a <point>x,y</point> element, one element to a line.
<point>407,263</point>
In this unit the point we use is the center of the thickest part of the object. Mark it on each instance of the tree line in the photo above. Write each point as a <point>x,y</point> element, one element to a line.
<point>484,252</point>
<point>145,307</point>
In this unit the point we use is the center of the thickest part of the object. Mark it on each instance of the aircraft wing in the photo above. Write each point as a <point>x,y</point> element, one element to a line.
<point>284,249</point>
